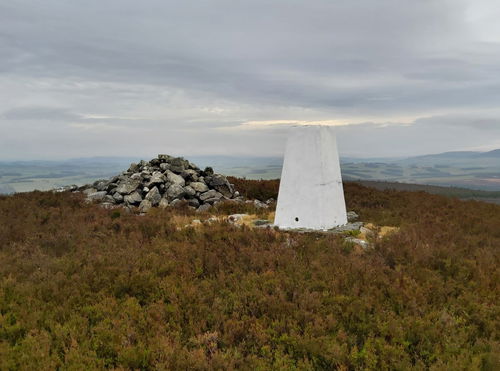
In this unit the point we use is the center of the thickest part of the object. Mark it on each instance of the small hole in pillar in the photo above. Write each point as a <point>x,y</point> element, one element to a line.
<point>296,219</point>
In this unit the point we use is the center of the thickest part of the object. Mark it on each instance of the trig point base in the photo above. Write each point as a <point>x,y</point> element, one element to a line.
<point>311,195</point>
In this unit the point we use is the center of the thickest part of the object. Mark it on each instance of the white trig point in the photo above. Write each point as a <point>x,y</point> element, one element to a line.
<point>311,195</point>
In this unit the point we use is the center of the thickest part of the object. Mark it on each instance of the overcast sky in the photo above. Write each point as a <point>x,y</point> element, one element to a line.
<point>203,77</point>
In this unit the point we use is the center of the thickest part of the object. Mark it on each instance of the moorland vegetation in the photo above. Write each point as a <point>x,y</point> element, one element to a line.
<point>83,287</point>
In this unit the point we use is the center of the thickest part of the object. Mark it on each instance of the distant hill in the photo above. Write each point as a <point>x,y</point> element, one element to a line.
<point>494,154</point>
<point>465,169</point>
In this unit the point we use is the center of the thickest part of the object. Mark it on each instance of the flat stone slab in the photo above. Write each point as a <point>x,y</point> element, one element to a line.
<point>349,227</point>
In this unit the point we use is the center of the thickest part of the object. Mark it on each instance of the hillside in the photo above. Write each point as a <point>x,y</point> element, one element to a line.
<point>82,287</point>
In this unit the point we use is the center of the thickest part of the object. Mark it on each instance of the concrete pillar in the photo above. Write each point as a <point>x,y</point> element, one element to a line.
<point>311,194</point>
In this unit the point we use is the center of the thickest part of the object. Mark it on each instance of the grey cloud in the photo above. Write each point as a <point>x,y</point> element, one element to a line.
<point>39,113</point>
<point>193,67</point>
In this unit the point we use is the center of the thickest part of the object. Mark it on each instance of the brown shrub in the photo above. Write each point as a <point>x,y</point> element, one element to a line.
<point>82,287</point>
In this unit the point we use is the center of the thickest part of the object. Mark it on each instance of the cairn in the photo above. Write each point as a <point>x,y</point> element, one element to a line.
<point>163,181</point>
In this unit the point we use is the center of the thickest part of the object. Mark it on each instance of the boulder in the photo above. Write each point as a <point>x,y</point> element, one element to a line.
<point>133,198</point>
<point>164,158</point>
<point>190,175</point>
<point>208,171</point>
<point>153,196</point>
<point>260,205</point>
<point>96,196</point>
<point>145,206</point>
<point>199,186</point>
<point>164,166</point>
<point>221,184</point>
<point>89,191</point>
<point>359,242</point>
<point>178,164</point>
<point>203,208</point>
<point>109,199</point>
<point>352,216</point>
<point>163,203</point>
<point>156,179</point>
<point>174,178</point>
<point>118,197</point>
<point>177,202</point>
<point>134,168</point>
<point>211,194</point>
<point>189,191</point>
<point>193,202</point>
<point>174,191</point>
<point>128,186</point>
<point>101,185</point>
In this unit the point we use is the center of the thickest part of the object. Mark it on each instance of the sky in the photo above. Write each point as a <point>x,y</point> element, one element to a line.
<point>232,77</point>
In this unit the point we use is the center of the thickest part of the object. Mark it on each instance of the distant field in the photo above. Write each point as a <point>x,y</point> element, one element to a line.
<point>473,172</point>
<point>462,193</point>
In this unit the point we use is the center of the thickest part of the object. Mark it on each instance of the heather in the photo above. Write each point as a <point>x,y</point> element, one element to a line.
<point>83,287</point>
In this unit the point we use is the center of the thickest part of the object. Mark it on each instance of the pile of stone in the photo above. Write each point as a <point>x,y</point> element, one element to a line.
<point>163,181</point>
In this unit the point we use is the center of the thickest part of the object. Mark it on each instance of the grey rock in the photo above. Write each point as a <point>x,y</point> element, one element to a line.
<point>356,241</point>
<point>213,200</point>
<point>127,186</point>
<point>164,166</point>
<point>153,196</point>
<point>163,203</point>
<point>366,231</point>
<point>134,168</point>
<point>68,188</point>
<point>203,208</point>
<point>101,186</point>
<point>107,205</point>
<point>109,199</point>
<point>89,191</point>
<point>174,178</point>
<point>133,198</point>
<point>174,191</point>
<point>260,205</point>
<point>221,184</point>
<point>178,164</point>
<point>348,227</point>
<point>177,202</point>
<point>136,176</point>
<point>189,175</point>
<point>261,222</point>
<point>352,216</point>
<point>118,197</point>
<point>145,206</point>
<point>211,194</point>
<point>193,202</point>
<point>217,179</point>
<point>156,178</point>
<point>96,196</point>
<point>208,171</point>
<point>164,158</point>
<point>234,218</point>
<point>199,186</point>
<point>189,191</point>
